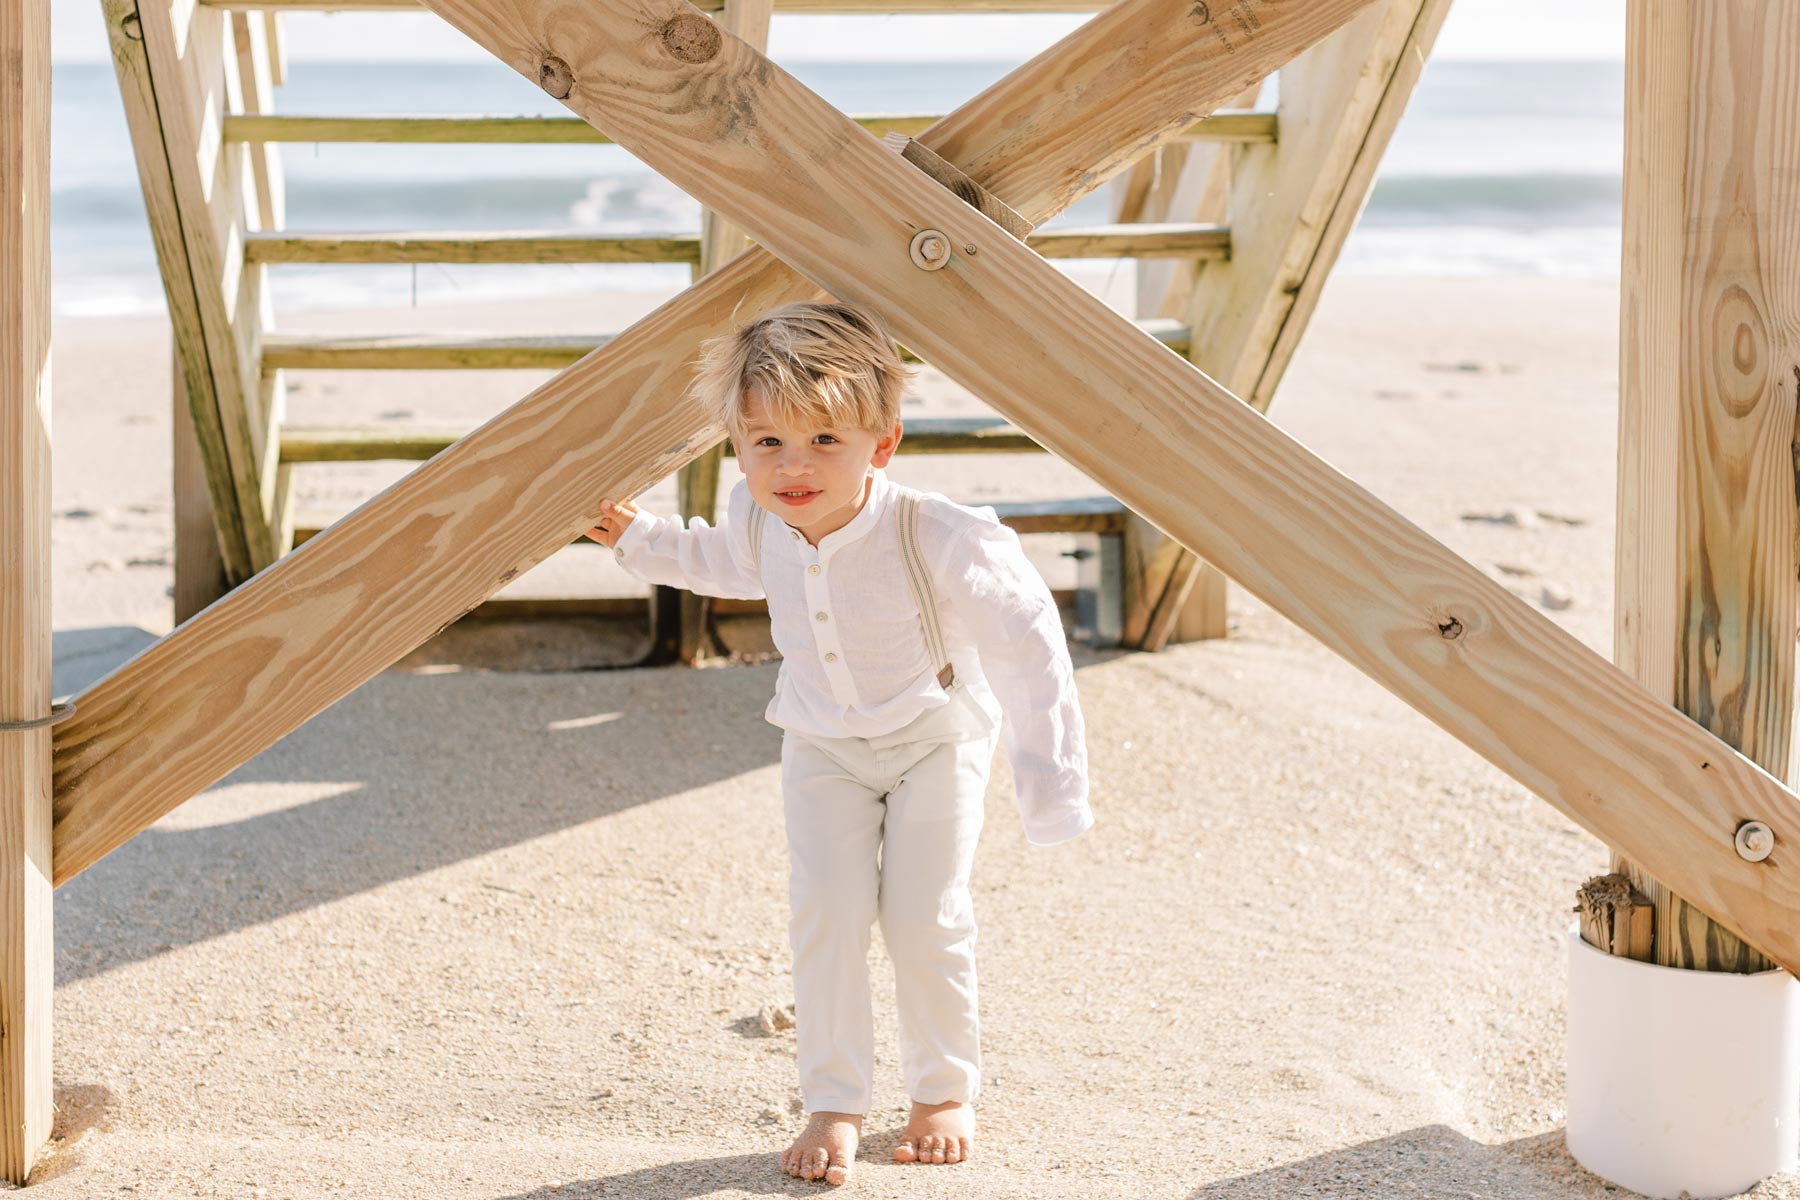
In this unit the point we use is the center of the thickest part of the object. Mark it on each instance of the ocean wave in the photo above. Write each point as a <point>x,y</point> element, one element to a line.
<point>1560,198</point>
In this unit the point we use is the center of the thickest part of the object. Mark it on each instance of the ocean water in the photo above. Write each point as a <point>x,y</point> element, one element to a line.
<point>1496,168</point>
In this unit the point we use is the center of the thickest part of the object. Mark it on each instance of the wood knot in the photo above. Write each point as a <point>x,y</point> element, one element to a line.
<point>555,77</point>
<point>1450,629</point>
<point>691,38</point>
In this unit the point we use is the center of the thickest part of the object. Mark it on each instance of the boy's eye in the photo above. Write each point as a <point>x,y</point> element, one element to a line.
<point>826,437</point>
<point>768,441</point>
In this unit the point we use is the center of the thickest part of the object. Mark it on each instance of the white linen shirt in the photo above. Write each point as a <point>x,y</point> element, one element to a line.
<point>854,662</point>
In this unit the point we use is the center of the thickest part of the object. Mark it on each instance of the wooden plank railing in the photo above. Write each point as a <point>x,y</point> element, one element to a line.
<point>881,7</point>
<point>414,443</point>
<point>1102,515</point>
<point>1171,240</point>
<point>1225,126</point>
<point>409,352</point>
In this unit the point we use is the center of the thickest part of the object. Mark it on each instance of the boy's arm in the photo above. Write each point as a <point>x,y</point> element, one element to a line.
<point>1008,608</point>
<point>701,558</point>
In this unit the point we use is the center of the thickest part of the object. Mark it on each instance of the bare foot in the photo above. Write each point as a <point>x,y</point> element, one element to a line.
<point>937,1133</point>
<point>825,1148</point>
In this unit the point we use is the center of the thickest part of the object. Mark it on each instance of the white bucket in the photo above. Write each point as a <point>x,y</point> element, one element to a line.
<point>1681,1081</point>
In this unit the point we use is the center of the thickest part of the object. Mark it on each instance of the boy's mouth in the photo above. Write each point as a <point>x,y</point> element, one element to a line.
<point>796,496</point>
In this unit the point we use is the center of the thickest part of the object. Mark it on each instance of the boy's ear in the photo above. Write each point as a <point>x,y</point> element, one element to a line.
<point>884,449</point>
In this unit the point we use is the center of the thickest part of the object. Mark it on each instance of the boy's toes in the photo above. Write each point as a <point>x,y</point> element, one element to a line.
<point>937,1150</point>
<point>906,1151</point>
<point>952,1151</point>
<point>838,1173</point>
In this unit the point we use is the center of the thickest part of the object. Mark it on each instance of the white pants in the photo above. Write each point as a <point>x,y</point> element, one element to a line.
<point>886,828</point>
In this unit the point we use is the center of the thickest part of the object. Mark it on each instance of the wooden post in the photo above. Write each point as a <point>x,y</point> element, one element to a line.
<point>1291,205</point>
<point>26,963</point>
<point>720,241</point>
<point>171,59</point>
<point>1709,370</point>
<point>254,95</point>
<point>1294,202</point>
<point>1170,594</point>
<point>199,570</point>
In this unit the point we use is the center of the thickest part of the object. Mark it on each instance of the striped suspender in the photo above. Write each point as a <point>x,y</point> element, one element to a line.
<point>919,579</point>
<point>758,515</point>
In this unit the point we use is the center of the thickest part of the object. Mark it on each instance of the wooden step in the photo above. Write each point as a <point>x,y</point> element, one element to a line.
<point>483,246</point>
<point>295,352</point>
<point>415,443</point>
<point>1083,514</point>
<point>877,7</point>
<point>1171,240</point>
<point>1232,125</point>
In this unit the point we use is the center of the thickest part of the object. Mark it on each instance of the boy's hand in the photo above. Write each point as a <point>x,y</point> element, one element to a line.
<point>615,519</point>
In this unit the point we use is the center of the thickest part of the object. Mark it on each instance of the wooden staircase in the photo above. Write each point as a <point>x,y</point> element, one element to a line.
<point>1233,228</point>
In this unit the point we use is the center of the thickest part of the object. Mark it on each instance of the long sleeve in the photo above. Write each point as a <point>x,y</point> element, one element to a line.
<point>701,558</point>
<point>1008,609</point>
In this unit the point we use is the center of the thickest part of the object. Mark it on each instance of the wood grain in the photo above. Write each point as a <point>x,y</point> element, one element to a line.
<point>182,287</point>
<point>1222,127</point>
<point>418,352</point>
<point>1172,443</point>
<point>27,961</point>
<point>1169,592</point>
<point>373,443</point>
<point>697,483</point>
<point>255,95</point>
<point>1709,366</point>
<point>1293,203</point>
<point>321,621</point>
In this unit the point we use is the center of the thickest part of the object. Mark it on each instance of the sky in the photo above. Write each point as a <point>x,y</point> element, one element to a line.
<point>1475,29</point>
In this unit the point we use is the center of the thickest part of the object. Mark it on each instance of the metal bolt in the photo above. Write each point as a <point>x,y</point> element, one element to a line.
<point>1755,841</point>
<point>930,250</point>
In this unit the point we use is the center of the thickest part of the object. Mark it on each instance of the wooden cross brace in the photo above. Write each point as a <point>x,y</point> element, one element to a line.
<point>738,133</point>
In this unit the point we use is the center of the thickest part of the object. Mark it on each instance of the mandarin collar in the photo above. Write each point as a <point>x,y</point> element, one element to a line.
<point>862,522</point>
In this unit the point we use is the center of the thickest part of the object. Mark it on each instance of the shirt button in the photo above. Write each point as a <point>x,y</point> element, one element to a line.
<point>819,616</point>
<point>794,533</point>
<point>831,658</point>
<point>620,554</point>
<point>814,569</point>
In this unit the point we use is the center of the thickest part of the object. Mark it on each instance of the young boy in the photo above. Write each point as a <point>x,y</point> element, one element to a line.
<point>907,625</point>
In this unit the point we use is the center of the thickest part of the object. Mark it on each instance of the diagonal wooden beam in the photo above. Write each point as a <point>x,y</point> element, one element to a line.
<point>316,624</point>
<point>1171,443</point>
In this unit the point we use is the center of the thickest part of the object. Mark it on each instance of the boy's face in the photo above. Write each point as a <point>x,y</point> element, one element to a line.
<point>811,477</point>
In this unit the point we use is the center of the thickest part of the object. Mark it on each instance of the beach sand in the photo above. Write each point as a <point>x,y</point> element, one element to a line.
<point>508,934</point>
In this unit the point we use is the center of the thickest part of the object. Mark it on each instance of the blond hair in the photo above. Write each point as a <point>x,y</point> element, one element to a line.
<point>811,363</point>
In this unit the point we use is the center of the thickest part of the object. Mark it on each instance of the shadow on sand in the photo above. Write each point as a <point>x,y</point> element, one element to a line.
<point>1432,1161</point>
<point>420,771</point>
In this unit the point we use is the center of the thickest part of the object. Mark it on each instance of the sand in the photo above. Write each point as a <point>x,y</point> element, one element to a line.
<point>477,933</point>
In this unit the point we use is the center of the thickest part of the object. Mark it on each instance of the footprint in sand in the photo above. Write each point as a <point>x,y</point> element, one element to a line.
<point>775,1018</point>
<point>1523,518</point>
